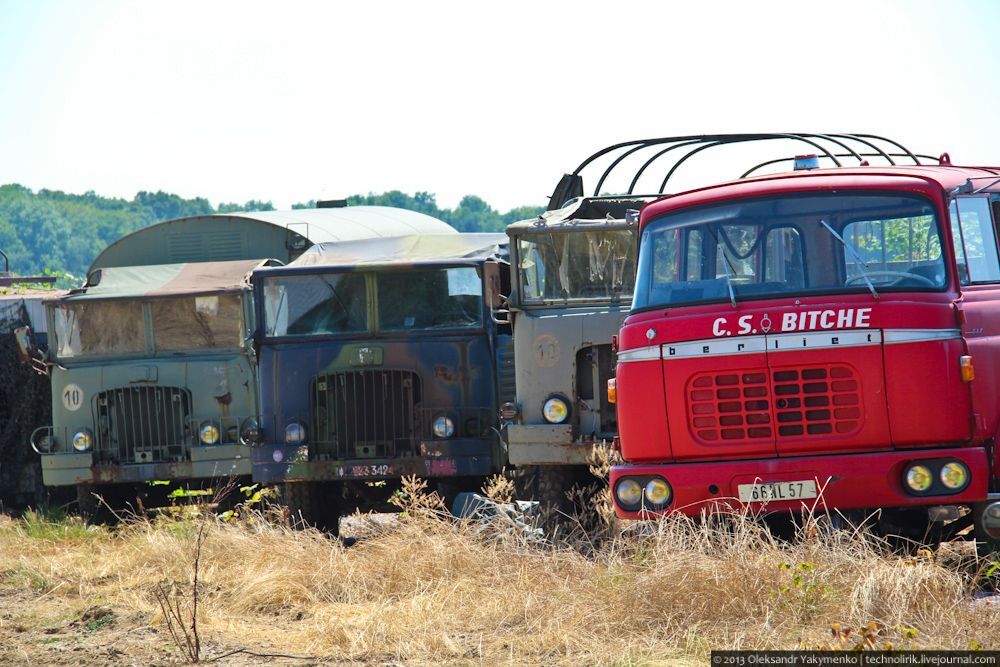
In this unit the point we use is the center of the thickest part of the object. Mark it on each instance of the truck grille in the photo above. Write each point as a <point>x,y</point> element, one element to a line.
<point>730,406</point>
<point>365,414</point>
<point>746,405</point>
<point>142,424</point>
<point>818,400</point>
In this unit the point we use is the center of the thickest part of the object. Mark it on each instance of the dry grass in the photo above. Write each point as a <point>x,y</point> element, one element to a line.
<point>427,589</point>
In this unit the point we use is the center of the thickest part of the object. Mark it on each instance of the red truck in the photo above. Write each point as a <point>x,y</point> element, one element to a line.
<point>825,338</point>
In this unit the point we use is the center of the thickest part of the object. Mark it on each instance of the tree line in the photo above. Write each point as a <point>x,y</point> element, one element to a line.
<point>57,232</point>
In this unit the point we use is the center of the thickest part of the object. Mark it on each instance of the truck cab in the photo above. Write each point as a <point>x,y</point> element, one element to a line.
<point>152,379</point>
<point>379,360</point>
<point>820,339</point>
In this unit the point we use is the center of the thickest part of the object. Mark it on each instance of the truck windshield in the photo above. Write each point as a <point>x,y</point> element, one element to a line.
<point>430,299</point>
<point>197,323</point>
<point>782,246</point>
<point>99,328</point>
<point>315,304</point>
<point>568,266</point>
<point>337,303</point>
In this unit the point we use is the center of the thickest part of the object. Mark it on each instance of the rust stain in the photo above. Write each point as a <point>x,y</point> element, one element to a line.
<point>444,373</point>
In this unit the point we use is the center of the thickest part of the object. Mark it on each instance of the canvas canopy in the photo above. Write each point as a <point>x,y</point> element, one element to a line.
<point>159,280</point>
<point>421,248</point>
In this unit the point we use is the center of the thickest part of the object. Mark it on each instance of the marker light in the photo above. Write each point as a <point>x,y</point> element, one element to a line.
<point>443,427</point>
<point>555,410</point>
<point>803,162</point>
<point>508,412</point>
<point>628,492</point>
<point>83,441</point>
<point>965,366</point>
<point>919,478</point>
<point>295,434</point>
<point>657,492</point>
<point>612,391</point>
<point>208,433</point>
<point>954,475</point>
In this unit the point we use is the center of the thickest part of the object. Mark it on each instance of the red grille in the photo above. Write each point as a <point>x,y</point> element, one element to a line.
<point>809,401</point>
<point>730,406</point>
<point>817,400</point>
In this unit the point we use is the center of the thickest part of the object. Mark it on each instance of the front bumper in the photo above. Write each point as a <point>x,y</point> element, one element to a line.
<point>206,462</point>
<point>546,444</point>
<point>852,481</point>
<point>444,458</point>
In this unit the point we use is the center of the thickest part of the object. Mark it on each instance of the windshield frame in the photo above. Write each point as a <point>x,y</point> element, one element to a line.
<point>371,274</point>
<point>567,227</point>
<point>940,220</point>
<point>149,351</point>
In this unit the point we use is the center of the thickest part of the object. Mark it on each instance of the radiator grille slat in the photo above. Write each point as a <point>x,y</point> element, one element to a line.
<point>808,401</point>
<point>141,424</point>
<point>366,413</point>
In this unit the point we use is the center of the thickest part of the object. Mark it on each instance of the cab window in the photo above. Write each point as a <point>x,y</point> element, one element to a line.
<point>974,237</point>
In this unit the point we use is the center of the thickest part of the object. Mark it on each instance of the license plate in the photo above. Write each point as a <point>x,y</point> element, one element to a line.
<point>767,491</point>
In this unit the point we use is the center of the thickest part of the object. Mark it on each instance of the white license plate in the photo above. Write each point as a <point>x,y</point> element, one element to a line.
<point>768,491</point>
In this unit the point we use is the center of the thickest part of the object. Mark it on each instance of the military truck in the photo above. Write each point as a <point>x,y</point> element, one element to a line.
<point>153,371</point>
<point>24,397</point>
<point>377,360</point>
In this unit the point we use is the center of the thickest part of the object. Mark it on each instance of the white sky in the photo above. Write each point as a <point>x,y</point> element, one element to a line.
<point>294,101</point>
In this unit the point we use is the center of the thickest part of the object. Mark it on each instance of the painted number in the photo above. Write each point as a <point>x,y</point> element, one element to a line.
<point>72,397</point>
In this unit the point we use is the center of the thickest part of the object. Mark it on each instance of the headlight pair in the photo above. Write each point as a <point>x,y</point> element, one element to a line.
<point>653,493</point>
<point>936,477</point>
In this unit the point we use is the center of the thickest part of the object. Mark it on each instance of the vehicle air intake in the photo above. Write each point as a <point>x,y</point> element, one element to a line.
<point>142,424</point>
<point>365,413</point>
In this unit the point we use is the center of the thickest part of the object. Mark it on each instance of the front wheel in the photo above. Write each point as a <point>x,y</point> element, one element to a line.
<point>312,504</point>
<point>986,528</point>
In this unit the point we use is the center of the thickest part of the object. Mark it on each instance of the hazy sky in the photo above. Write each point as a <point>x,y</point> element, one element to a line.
<point>293,101</point>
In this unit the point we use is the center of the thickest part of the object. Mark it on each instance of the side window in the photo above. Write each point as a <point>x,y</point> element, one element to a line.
<point>975,240</point>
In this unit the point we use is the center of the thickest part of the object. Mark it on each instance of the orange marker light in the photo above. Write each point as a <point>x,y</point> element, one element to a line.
<point>965,366</point>
<point>612,391</point>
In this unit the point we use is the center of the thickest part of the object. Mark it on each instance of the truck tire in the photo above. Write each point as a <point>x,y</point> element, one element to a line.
<point>549,486</point>
<point>87,502</point>
<point>313,505</point>
<point>987,547</point>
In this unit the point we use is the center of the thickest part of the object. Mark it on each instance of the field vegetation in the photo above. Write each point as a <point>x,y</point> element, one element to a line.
<point>427,588</point>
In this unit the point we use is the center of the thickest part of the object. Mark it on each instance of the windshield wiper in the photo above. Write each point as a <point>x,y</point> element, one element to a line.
<point>726,266</point>
<point>855,255</point>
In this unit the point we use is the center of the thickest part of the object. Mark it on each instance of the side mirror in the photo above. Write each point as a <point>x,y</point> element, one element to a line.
<point>495,298</point>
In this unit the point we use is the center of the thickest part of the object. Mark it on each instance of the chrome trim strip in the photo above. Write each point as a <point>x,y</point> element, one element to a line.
<point>640,354</point>
<point>785,342</point>
<point>893,336</point>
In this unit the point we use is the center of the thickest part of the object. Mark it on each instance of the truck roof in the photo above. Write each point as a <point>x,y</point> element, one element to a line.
<point>160,280</point>
<point>412,249</point>
<point>915,177</point>
<point>260,234</point>
<point>583,212</point>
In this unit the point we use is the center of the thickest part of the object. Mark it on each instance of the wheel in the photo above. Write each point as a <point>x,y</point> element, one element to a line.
<point>312,504</point>
<point>987,546</point>
<point>87,502</point>
<point>563,494</point>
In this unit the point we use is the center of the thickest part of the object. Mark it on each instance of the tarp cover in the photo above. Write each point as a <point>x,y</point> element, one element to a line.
<point>130,282</point>
<point>406,249</point>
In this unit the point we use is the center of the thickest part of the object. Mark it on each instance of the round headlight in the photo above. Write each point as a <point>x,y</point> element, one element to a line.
<point>628,492</point>
<point>83,441</point>
<point>295,434</point>
<point>919,478</point>
<point>250,432</point>
<point>443,427</point>
<point>555,410</point>
<point>954,475</point>
<point>657,492</point>
<point>208,433</point>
